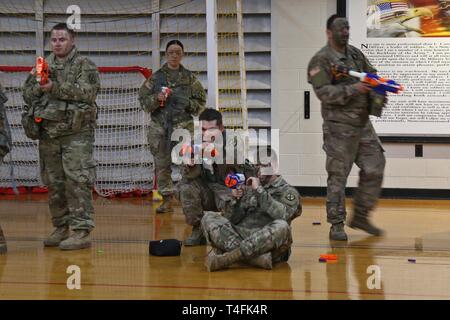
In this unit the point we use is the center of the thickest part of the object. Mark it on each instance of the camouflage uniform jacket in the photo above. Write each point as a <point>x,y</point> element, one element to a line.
<point>70,106</point>
<point>187,97</point>
<point>5,134</point>
<point>341,102</point>
<point>257,208</point>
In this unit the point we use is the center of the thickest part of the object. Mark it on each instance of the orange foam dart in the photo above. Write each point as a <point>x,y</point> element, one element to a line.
<point>329,257</point>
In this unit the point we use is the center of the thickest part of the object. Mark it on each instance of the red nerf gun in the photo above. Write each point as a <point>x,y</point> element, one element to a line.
<point>42,71</point>
<point>42,74</point>
<point>165,91</point>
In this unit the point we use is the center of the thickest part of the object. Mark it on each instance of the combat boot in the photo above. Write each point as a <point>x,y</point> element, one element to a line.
<point>361,222</point>
<point>337,232</point>
<point>3,247</point>
<point>166,206</point>
<point>216,261</point>
<point>80,239</point>
<point>196,238</point>
<point>263,261</point>
<point>59,234</point>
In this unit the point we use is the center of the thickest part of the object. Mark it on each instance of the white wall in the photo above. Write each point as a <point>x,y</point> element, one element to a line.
<point>298,31</point>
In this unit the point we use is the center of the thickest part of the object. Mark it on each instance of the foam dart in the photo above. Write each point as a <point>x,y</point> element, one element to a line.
<point>329,256</point>
<point>37,119</point>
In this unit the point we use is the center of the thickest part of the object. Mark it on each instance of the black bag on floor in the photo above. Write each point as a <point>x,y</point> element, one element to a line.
<point>165,247</point>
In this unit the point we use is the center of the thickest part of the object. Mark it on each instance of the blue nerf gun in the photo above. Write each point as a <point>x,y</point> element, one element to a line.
<point>379,85</point>
<point>234,180</point>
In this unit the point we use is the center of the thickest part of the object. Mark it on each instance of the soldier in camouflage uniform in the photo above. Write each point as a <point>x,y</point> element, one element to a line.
<point>66,105</point>
<point>256,229</point>
<point>202,187</point>
<point>168,113</point>
<point>5,147</point>
<point>348,134</point>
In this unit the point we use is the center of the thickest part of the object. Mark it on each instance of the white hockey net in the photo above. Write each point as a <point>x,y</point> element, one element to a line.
<point>124,162</point>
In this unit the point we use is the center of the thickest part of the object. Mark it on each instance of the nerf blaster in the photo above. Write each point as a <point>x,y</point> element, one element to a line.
<point>42,74</point>
<point>195,149</point>
<point>165,91</point>
<point>42,71</point>
<point>379,85</point>
<point>234,180</point>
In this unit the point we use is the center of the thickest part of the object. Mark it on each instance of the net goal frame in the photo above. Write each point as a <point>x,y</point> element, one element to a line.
<point>124,162</point>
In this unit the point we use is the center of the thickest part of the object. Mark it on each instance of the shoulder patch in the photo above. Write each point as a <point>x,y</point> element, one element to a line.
<point>93,78</point>
<point>314,71</point>
<point>149,84</point>
<point>290,197</point>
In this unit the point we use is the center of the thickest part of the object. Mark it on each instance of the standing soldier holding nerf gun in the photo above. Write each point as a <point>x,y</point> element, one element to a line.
<point>173,95</point>
<point>348,134</point>
<point>5,148</point>
<point>61,112</point>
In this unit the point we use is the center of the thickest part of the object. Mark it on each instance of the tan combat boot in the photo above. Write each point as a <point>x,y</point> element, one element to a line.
<point>216,261</point>
<point>3,247</point>
<point>263,261</point>
<point>59,234</point>
<point>80,239</point>
<point>197,238</point>
<point>362,223</point>
<point>166,206</point>
<point>337,232</point>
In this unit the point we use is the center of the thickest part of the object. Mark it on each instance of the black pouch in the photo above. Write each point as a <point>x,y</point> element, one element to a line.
<point>377,102</point>
<point>30,126</point>
<point>165,248</point>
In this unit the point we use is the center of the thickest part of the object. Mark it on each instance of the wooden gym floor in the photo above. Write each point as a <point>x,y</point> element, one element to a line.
<point>118,265</point>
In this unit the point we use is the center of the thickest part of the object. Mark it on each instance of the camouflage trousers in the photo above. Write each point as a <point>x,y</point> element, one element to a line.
<point>197,196</point>
<point>161,149</point>
<point>2,237</point>
<point>344,145</point>
<point>275,237</point>
<point>68,169</point>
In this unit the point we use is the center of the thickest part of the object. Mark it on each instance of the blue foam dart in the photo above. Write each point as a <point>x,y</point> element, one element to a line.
<point>412,260</point>
<point>322,260</point>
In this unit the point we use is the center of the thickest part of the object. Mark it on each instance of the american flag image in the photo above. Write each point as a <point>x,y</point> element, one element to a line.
<point>390,10</point>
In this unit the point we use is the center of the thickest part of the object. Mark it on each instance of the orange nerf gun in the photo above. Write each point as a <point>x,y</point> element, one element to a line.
<point>196,149</point>
<point>42,71</point>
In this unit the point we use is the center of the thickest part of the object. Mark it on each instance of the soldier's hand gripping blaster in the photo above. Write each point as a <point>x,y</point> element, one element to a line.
<point>165,91</point>
<point>379,85</point>
<point>42,70</point>
<point>196,149</point>
<point>234,180</point>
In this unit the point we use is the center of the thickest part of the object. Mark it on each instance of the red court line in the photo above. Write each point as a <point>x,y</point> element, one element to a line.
<point>230,288</point>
